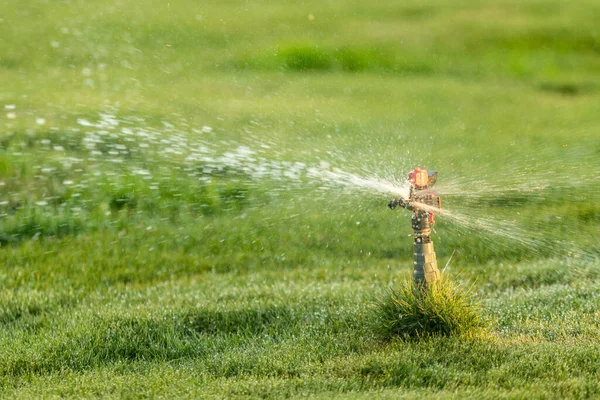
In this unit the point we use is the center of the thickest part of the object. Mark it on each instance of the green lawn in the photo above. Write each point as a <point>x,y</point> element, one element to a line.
<point>170,225</point>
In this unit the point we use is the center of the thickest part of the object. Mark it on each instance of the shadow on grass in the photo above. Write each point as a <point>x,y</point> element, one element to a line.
<point>27,306</point>
<point>272,320</point>
<point>568,88</point>
<point>203,334</point>
<point>452,363</point>
<point>314,58</point>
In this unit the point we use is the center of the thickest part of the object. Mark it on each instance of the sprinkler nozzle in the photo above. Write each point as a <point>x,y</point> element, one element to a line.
<point>397,202</point>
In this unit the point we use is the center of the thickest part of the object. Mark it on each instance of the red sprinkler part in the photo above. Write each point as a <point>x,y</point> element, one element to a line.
<point>418,178</point>
<point>434,198</point>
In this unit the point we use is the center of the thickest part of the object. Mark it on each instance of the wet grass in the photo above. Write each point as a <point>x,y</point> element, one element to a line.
<point>143,257</point>
<point>415,312</point>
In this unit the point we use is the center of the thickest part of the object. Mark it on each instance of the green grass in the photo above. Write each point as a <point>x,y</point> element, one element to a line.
<point>414,311</point>
<point>131,270</point>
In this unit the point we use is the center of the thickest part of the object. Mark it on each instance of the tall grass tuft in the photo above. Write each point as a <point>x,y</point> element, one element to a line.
<point>413,312</point>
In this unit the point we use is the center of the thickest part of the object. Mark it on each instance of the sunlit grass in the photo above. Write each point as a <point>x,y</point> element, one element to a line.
<point>412,311</point>
<point>167,227</point>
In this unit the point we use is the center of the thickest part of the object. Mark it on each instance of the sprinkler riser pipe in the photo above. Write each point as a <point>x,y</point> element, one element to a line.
<point>425,271</point>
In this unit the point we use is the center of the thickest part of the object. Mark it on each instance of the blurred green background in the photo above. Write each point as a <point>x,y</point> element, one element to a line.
<point>211,283</point>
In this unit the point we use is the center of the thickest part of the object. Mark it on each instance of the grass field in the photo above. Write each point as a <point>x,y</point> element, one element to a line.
<point>162,234</point>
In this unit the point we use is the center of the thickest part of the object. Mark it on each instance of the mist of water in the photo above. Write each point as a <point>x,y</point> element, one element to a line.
<point>111,147</point>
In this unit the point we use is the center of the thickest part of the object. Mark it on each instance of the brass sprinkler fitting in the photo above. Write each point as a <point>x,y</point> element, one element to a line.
<point>422,201</point>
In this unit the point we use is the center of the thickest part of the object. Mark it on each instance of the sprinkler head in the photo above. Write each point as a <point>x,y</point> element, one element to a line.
<point>421,193</point>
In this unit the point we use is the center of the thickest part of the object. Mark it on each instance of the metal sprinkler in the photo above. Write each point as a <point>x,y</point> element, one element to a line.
<point>422,201</point>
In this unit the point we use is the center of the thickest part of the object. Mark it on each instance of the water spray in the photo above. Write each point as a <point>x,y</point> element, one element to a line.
<point>422,201</point>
